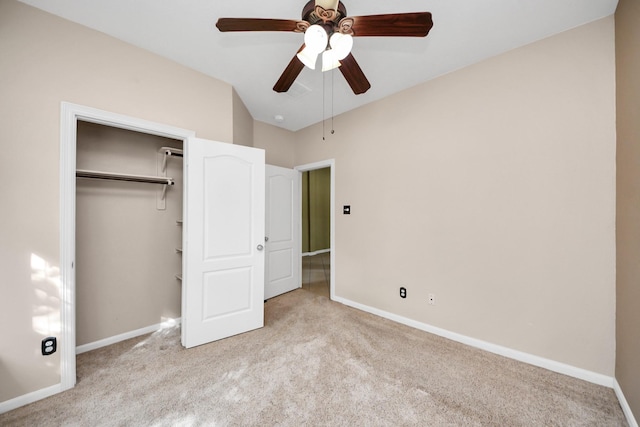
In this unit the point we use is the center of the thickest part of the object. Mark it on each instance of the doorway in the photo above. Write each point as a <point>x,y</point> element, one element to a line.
<point>209,312</point>
<point>317,257</point>
<point>128,235</point>
<point>316,226</point>
<point>71,114</point>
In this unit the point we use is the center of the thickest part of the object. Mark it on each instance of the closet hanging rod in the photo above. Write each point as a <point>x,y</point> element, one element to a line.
<point>81,173</point>
<point>170,151</point>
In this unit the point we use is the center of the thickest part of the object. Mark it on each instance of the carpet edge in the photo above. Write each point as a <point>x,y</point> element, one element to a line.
<point>531,359</point>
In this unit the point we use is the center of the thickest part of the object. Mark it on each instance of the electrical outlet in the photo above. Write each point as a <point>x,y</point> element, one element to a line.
<point>49,346</point>
<point>432,299</point>
<point>403,292</point>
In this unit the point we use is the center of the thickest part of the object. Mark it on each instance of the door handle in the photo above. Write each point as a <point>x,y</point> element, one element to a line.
<point>266,239</point>
<point>260,247</point>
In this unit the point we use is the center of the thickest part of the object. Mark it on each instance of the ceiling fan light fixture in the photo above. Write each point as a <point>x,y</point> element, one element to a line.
<point>329,60</point>
<point>341,45</point>
<point>308,58</point>
<point>327,19</point>
<point>315,41</point>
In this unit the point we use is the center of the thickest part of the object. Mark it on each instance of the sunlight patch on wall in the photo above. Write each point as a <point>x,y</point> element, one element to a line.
<point>46,307</point>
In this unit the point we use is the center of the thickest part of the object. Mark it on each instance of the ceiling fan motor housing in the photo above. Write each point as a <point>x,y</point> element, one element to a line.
<point>318,15</point>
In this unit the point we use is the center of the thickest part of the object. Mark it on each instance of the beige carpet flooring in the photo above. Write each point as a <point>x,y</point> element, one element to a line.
<point>316,273</point>
<point>316,363</point>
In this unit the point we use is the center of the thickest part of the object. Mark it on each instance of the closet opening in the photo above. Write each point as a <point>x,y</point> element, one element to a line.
<point>127,136</point>
<point>223,188</point>
<point>129,197</point>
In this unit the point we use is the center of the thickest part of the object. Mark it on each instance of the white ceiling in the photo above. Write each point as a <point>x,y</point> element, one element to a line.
<point>464,32</point>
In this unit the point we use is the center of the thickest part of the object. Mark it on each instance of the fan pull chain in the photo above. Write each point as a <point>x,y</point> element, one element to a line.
<point>323,108</point>
<point>332,75</point>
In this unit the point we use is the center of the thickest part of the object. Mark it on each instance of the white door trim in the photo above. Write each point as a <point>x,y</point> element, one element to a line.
<point>69,116</point>
<point>331,163</point>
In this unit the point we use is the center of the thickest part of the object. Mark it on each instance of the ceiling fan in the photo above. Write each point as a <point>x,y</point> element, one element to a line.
<point>328,32</point>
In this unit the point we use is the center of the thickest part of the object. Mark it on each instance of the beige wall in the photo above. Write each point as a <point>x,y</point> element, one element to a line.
<point>46,60</point>
<point>628,216</point>
<point>278,144</point>
<point>126,258</point>
<point>242,123</point>
<point>493,188</point>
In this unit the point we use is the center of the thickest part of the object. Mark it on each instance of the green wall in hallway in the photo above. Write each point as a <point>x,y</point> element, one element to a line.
<point>316,205</point>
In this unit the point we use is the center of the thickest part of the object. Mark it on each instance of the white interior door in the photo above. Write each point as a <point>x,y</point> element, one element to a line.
<point>223,241</point>
<point>282,225</point>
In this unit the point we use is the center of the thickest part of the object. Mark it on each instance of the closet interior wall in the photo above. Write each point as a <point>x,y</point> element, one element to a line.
<point>126,257</point>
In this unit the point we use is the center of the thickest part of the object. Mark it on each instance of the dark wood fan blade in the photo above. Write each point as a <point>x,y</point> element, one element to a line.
<point>354,75</point>
<point>256,24</point>
<point>392,25</point>
<point>289,74</point>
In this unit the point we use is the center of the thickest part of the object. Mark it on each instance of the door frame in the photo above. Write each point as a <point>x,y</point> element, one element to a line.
<point>330,163</point>
<point>70,114</point>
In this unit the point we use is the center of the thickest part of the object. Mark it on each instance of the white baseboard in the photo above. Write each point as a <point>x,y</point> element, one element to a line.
<point>625,405</point>
<point>25,399</point>
<point>321,251</point>
<point>531,359</point>
<point>127,335</point>
<point>552,365</point>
